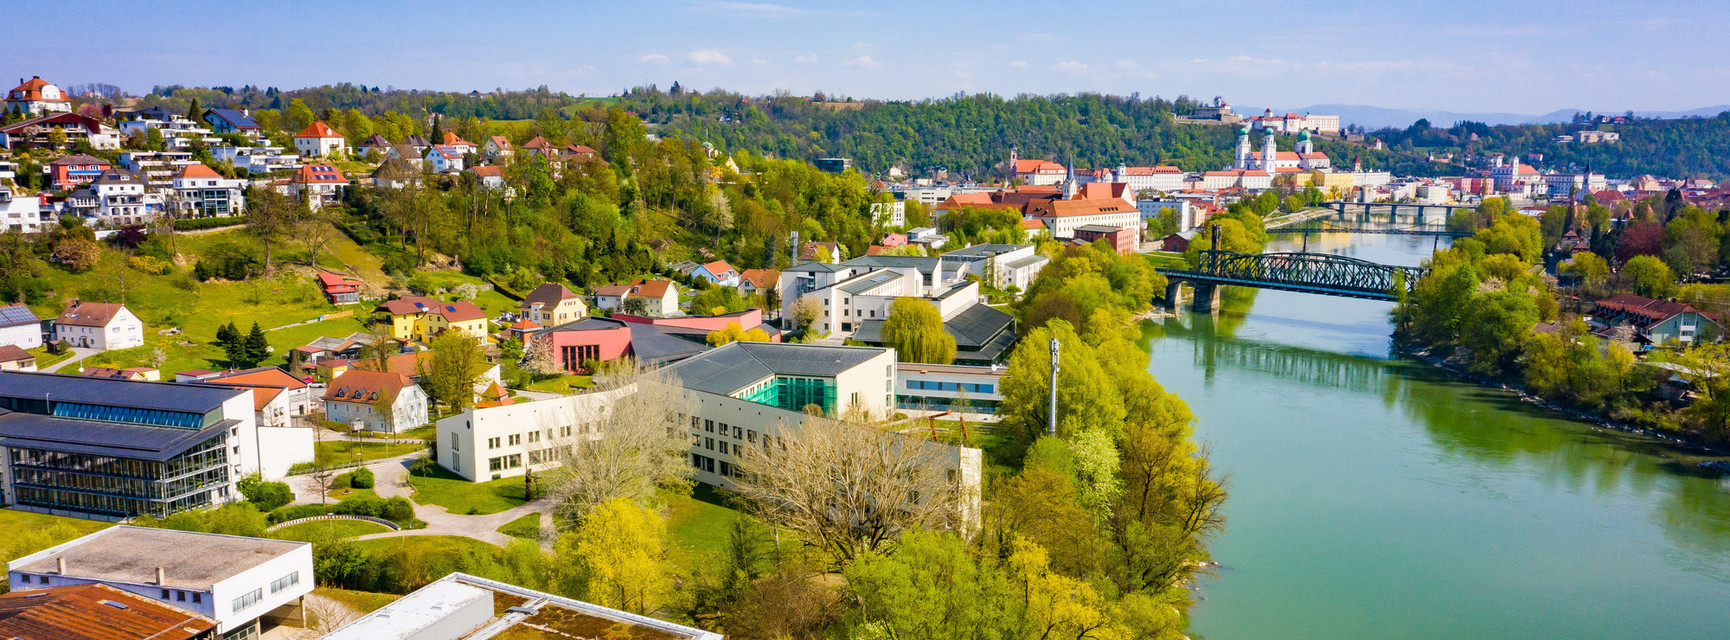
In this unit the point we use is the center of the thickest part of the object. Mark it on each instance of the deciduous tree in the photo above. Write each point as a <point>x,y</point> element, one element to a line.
<point>915,330</point>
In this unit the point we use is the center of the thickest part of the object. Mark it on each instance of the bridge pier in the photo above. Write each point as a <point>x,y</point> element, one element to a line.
<point>1204,297</point>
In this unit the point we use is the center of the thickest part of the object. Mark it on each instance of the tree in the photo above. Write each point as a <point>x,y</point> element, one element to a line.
<point>267,496</point>
<point>622,552</point>
<point>849,487</point>
<point>806,311</point>
<point>299,115</point>
<point>1591,268</point>
<point>915,330</point>
<point>635,306</point>
<point>455,366</point>
<point>269,214</point>
<point>734,333</point>
<point>1649,276</point>
<point>255,346</point>
<point>539,358</point>
<point>78,254</point>
<point>315,231</point>
<point>630,450</point>
<point>718,300</point>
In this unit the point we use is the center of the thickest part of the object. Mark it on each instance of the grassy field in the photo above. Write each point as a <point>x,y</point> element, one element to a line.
<point>343,494</point>
<point>528,527</point>
<point>697,526</point>
<point>315,531</point>
<point>23,533</point>
<point>427,546</point>
<point>561,384</point>
<point>461,497</point>
<point>45,359</point>
<point>339,451</point>
<point>362,601</point>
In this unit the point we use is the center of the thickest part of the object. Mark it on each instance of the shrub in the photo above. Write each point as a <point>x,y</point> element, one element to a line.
<point>297,512</point>
<point>398,510</point>
<point>361,478</point>
<point>342,482</point>
<point>147,264</point>
<point>194,224</point>
<point>267,496</point>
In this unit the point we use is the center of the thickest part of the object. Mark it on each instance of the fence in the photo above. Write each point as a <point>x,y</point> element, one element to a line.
<point>335,516</point>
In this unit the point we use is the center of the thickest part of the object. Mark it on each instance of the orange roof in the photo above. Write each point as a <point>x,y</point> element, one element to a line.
<point>1148,171</point>
<point>454,139</point>
<point>488,171</point>
<point>263,376</point>
<point>96,612</point>
<point>461,311</point>
<point>317,129</point>
<point>1031,224</point>
<point>761,278</point>
<point>525,324</point>
<point>538,143</point>
<point>318,174</point>
<point>1030,165</point>
<point>197,170</point>
<point>407,364</point>
<point>1084,207</point>
<point>362,386</point>
<point>32,90</point>
<point>718,267</point>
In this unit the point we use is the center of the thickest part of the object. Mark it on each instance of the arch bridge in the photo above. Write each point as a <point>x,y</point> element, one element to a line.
<point>1319,273</point>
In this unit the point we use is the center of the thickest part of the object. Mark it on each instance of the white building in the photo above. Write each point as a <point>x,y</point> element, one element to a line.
<point>319,140</point>
<point>22,213</point>
<point>1001,265</point>
<point>255,160</point>
<point>37,97</point>
<point>20,327</point>
<point>444,159</point>
<point>246,584</point>
<point>863,288</point>
<point>944,387</point>
<point>357,398</point>
<point>158,168</point>
<point>178,133</point>
<point>101,326</point>
<point>459,605</point>
<point>1156,178</point>
<point>501,442</point>
<point>1063,217</point>
<point>1188,216</point>
<point>122,200</point>
<point>201,192</point>
<point>889,214</point>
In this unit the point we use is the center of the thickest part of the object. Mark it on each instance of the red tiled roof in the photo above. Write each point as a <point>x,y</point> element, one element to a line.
<point>362,386</point>
<point>317,129</point>
<point>1030,165</point>
<point>95,612</point>
<point>13,353</point>
<point>454,139</point>
<point>197,170</point>
<point>718,267</point>
<point>88,314</point>
<point>761,278</point>
<point>488,171</point>
<point>318,174</point>
<point>31,90</point>
<point>264,376</point>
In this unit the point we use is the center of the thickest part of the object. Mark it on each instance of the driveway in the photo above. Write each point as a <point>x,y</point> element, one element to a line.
<point>390,479</point>
<point>78,353</point>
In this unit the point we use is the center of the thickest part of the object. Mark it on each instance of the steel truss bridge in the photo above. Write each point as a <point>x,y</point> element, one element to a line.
<point>1331,226</point>
<point>1319,273</point>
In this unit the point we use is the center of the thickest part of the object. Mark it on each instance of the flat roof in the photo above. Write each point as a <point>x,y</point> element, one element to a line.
<point>95,612</point>
<point>984,250</point>
<point>914,368</point>
<point>516,613</point>
<point>869,281</point>
<point>726,370</point>
<point>414,613</point>
<point>190,560</point>
<point>161,396</point>
<point>72,435</point>
<point>1027,261</point>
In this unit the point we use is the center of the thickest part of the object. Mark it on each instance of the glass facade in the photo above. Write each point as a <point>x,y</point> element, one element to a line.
<point>118,486</point>
<point>129,415</point>
<point>793,393</point>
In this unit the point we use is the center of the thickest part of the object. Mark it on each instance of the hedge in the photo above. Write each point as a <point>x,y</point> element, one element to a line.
<point>194,224</point>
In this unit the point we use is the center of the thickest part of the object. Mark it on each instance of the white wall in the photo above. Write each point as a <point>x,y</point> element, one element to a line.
<point>282,447</point>
<point>464,438</point>
<point>224,592</point>
<point>243,452</point>
<point>24,336</point>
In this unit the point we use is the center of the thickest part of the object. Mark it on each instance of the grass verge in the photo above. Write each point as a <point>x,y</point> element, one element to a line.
<point>440,487</point>
<point>527,527</point>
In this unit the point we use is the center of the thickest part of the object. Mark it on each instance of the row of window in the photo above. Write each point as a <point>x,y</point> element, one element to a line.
<point>180,596</point>
<point>182,419</point>
<point>516,439</point>
<point>248,600</point>
<point>285,582</point>
<point>933,385</point>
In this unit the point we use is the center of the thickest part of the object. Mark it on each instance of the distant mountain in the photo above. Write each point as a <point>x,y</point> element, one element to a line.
<point>1371,117</point>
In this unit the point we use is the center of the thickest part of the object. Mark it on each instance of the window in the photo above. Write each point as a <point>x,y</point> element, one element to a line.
<point>565,431</point>
<point>751,436</point>
<point>709,426</point>
<point>492,443</point>
<point>164,592</point>
<point>248,600</point>
<point>738,432</point>
<point>197,597</point>
<point>516,439</point>
<point>495,464</point>
<point>456,445</point>
<point>709,443</point>
<point>180,596</point>
<point>534,436</point>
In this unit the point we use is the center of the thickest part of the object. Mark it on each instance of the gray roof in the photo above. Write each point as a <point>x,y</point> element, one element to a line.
<point>737,365</point>
<point>977,325</point>
<point>869,331</point>
<point>984,250</point>
<point>36,431</point>
<point>1097,228</point>
<point>813,267</point>
<point>869,281</point>
<point>190,560</point>
<point>923,264</point>
<point>651,345</point>
<point>235,117</point>
<point>162,396</point>
<point>590,323</point>
<point>1028,261</point>
<point>17,314</point>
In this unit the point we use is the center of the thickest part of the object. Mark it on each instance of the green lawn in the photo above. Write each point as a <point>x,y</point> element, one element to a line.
<point>427,546</point>
<point>362,601</point>
<point>698,525</point>
<point>528,527</point>
<point>45,359</point>
<point>328,530</point>
<point>343,494</point>
<point>332,452</point>
<point>462,497</point>
<point>23,533</point>
<point>562,384</point>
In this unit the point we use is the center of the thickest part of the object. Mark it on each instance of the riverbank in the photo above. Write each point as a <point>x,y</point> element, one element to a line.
<point>1598,420</point>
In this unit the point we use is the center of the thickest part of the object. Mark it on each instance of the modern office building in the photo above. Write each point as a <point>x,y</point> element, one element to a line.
<point>246,585</point>
<point>948,387</point>
<point>464,607</point>
<point>113,449</point>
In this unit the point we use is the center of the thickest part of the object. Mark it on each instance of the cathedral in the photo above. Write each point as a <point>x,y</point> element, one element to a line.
<point>1273,161</point>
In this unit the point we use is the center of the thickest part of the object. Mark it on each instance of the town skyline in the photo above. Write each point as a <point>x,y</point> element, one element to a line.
<point>1448,59</point>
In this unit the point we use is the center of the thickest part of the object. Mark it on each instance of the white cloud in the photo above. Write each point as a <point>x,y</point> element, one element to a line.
<point>864,62</point>
<point>1069,66</point>
<point>655,58</point>
<point>759,8</point>
<point>707,57</point>
<point>581,70</point>
<point>808,59</point>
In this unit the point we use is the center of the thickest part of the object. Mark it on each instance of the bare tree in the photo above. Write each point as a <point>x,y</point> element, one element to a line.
<point>314,233</point>
<point>323,478</point>
<point>636,446</point>
<point>326,615</point>
<point>849,486</point>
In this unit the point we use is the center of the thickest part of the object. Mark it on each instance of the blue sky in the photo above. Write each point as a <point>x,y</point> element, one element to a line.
<point>1528,56</point>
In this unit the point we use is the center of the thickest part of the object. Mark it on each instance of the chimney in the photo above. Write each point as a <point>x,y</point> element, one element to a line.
<point>159,576</point>
<point>60,564</point>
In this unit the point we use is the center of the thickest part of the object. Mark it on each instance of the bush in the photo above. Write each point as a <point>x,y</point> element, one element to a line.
<point>361,506</point>
<point>342,482</point>
<point>398,510</point>
<point>297,512</point>
<point>147,264</point>
<point>267,496</point>
<point>362,478</point>
<point>194,224</point>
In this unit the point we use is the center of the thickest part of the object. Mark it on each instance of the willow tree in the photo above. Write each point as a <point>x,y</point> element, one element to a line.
<point>915,330</point>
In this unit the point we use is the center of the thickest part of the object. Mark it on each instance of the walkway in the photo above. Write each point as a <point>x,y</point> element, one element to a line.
<point>390,477</point>
<point>78,353</point>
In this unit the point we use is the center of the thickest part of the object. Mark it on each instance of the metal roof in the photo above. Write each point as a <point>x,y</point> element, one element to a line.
<point>977,325</point>
<point>17,314</point>
<point>95,612</point>
<point>162,396</point>
<point>923,264</point>
<point>71,435</point>
<point>737,365</point>
<point>869,281</point>
<point>652,345</point>
<point>984,250</point>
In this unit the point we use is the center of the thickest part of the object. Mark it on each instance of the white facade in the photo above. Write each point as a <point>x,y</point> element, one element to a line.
<point>23,336</point>
<point>501,442</point>
<point>941,387</point>
<point>21,213</point>
<point>407,412</point>
<point>889,214</point>
<point>209,197</point>
<point>444,159</point>
<point>125,202</point>
<point>319,146</point>
<point>1186,211</point>
<point>1142,179</point>
<point>256,159</point>
<point>157,168</point>
<point>123,331</point>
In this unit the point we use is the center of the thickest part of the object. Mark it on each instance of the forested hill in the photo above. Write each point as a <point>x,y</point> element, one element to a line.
<point>973,134</point>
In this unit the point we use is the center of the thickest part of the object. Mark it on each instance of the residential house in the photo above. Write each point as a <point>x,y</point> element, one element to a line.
<point>296,394</point>
<point>255,160</point>
<point>1655,322</point>
<point>717,272</point>
<point>247,585</point>
<point>445,159</point>
<point>24,214</point>
<point>36,97</point>
<point>201,192</point>
<point>183,446</point>
<point>135,374</point>
<point>99,325</point>
<point>318,185</point>
<point>418,143</point>
<point>551,304</point>
<point>379,401</point>
<point>75,170</point>
<point>13,358</point>
<point>339,290</point>
<point>375,146</point>
<point>753,280</point>
<point>489,176</point>
<point>319,140</point>
<point>232,121</point>
<point>122,200</point>
<point>496,149</point>
<point>660,297</point>
<point>582,153</point>
<point>540,146</point>
<point>329,348</point>
<point>176,131</point>
<point>421,318</point>
<point>463,146</point>
<point>97,612</point>
<point>157,168</point>
<point>20,327</point>
<point>396,173</point>
<point>78,129</point>
<point>460,605</point>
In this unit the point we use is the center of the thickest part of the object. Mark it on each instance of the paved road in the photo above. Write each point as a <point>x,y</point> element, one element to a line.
<point>390,477</point>
<point>78,353</point>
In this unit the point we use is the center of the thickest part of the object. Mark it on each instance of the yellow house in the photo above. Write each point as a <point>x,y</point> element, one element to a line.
<point>421,318</point>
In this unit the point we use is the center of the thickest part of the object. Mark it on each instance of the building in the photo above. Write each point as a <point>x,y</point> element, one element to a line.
<point>489,176</point>
<point>35,132</point>
<point>948,387</point>
<point>245,584</point>
<point>1656,323</point>
<point>97,612</point>
<point>380,401</point>
<point>1188,215</point>
<point>1158,179</point>
<point>717,273</point>
<point>1037,172</point>
<point>99,325</point>
<point>339,290</point>
<point>497,148</point>
<point>319,140</point>
<point>444,159</point>
<point>1124,241</point>
<point>1062,217</point>
<point>578,344</point>
<point>421,318</point>
<point>463,607</point>
<point>255,160</point>
<point>451,139</point>
<point>37,97</point>
<point>157,168</point>
<point>178,134</point>
<point>111,449</point>
<point>983,335</point>
<point>551,304</point>
<point>318,185</point>
<point>23,214</point>
<point>1001,265</point>
<point>833,165</point>
<point>13,358</point>
<point>660,297</point>
<point>74,170</point>
<point>232,121</point>
<point>889,214</point>
<point>19,327</point>
<point>122,200</point>
<point>753,280</point>
<point>293,394</point>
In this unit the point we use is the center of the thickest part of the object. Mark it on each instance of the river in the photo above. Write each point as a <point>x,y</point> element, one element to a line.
<point>1373,497</point>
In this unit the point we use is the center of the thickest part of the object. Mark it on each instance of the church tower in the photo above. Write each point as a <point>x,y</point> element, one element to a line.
<point>1069,186</point>
<point>1009,171</point>
<point>1305,147</point>
<point>1242,148</point>
<point>1269,149</point>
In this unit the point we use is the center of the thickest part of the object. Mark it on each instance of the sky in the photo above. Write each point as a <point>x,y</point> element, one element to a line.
<point>1520,56</point>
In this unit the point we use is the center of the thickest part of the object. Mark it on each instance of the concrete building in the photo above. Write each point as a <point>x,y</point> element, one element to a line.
<point>464,607</point>
<point>357,396</point>
<point>1001,265</point>
<point>110,449</point>
<point>1063,217</point>
<point>22,213</point>
<point>889,214</point>
<point>201,192</point>
<point>946,387</point>
<point>246,585</point>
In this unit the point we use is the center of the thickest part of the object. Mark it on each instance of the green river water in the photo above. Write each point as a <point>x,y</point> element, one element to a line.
<point>1379,498</point>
